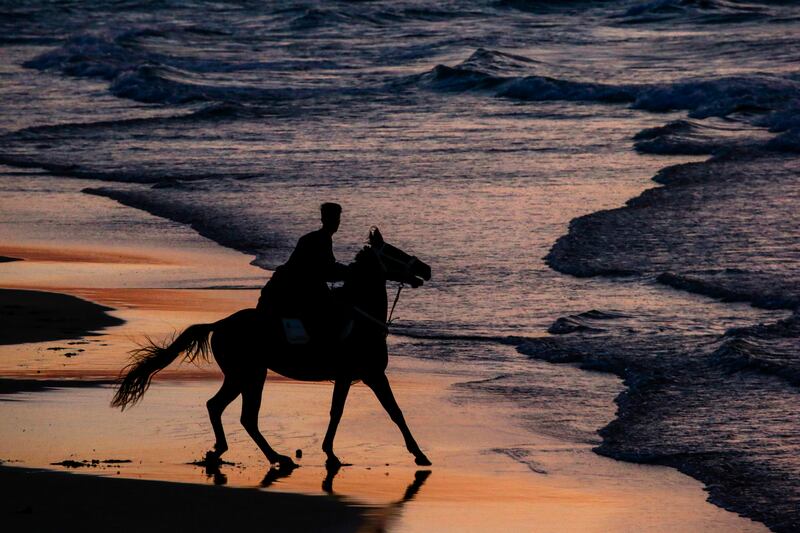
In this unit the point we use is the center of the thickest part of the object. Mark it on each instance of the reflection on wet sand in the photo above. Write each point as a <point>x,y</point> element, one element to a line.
<point>377,517</point>
<point>384,517</point>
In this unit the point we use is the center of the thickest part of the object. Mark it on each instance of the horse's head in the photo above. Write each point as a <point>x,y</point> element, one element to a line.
<point>396,264</point>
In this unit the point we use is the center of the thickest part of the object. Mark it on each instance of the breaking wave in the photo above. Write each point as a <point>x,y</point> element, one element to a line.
<point>150,77</point>
<point>701,11</point>
<point>698,404</point>
<point>771,99</point>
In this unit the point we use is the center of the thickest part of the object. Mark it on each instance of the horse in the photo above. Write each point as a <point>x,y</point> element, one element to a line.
<point>247,344</point>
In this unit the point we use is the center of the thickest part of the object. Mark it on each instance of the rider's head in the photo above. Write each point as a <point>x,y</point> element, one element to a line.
<point>330,214</point>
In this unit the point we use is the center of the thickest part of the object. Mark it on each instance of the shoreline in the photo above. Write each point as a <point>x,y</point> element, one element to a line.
<point>761,357</point>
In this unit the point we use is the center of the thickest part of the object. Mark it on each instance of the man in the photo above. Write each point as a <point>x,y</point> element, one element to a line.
<point>299,287</point>
<point>313,258</point>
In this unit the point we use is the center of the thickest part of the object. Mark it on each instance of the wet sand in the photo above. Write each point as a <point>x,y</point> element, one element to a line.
<point>490,473</point>
<point>13,386</point>
<point>34,316</point>
<point>40,500</point>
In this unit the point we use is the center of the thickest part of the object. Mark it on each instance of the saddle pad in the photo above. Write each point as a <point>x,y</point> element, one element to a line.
<point>295,331</point>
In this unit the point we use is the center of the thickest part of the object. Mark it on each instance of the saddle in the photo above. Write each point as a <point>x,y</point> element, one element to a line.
<point>307,313</point>
<point>295,333</point>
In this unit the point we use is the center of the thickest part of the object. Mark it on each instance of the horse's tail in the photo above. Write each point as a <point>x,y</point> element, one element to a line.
<point>151,358</point>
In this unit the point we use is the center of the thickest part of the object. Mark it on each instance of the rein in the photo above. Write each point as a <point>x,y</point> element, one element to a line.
<point>396,297</point>
<point>383,325</point>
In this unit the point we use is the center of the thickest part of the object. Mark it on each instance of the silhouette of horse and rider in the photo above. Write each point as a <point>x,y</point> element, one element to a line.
<point>301,330</point>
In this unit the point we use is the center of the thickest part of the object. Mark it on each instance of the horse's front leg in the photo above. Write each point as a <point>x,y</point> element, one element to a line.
<point>340,390</point>
<point>380,386</point>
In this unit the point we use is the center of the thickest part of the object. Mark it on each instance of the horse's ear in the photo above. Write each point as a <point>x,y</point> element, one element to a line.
<point>375,237</point>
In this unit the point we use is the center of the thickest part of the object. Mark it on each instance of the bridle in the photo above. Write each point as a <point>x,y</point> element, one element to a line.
<point>382,257</point>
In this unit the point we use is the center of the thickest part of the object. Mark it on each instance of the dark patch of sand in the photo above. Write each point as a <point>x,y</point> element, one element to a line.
<point>40,500</point>
<point>90,463</point>
<point>35,316</point>
<point>11,386</point>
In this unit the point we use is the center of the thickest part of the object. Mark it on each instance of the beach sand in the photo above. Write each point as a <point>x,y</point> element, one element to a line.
<point>54,501</point>
<point>490,473</point>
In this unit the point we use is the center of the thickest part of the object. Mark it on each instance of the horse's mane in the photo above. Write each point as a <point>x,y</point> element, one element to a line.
<point>365,265</point>
<point>361,255</point>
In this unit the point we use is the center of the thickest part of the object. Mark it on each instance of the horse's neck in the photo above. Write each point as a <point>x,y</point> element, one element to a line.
<point>372,299</point>
<point>367,287</point>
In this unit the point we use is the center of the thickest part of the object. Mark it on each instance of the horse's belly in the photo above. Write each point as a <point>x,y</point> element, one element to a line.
<point>306,363</point>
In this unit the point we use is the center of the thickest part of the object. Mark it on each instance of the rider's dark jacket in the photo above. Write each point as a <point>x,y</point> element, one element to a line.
<point>298,287</point>
<point>313,259</point>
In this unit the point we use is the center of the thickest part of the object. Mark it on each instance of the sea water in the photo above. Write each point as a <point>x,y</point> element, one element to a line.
<point>471,133</point>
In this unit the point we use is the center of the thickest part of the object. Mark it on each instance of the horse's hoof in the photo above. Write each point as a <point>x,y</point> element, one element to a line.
<point>421,460</point>
<point>285,462</point>
<point>212,458</point>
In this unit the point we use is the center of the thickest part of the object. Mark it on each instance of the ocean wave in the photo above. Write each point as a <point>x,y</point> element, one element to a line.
<point>588,321</point>
<point>29,147</point>
<point>720,97</point>
<point>305,19</point>
<point>766,348</point>
<point>169,85</point>
<point>492,70</point>
<point>691,137</point>
<point>312,19</point>
<point>539,6</point>
<point>702,11</point>
<point>736,285</point>
<point>533,88</point>
<point>87,56</point>
<point>774,99</point>
<point>677,137</point>
<point>715,228</point>
<point>317,18</point>
<point>697,403</point>
<point>494,61</point>
<point>141,75</point>
<point>123,176</point>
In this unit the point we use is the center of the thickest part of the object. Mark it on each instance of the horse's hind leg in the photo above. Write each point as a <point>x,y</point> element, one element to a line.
<point>251,404</point>
<point>380,386</point>
<point>216,405</point>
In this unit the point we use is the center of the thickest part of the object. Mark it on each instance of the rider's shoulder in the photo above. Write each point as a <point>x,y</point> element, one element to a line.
<point>318,235</point>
